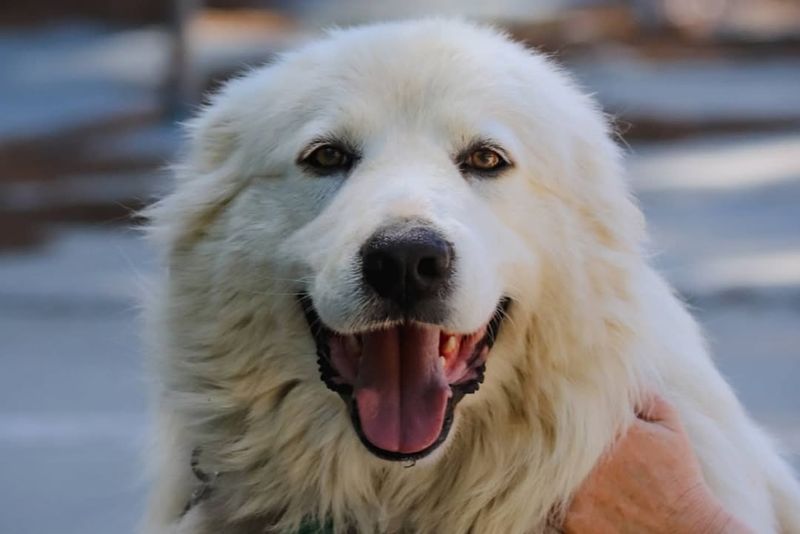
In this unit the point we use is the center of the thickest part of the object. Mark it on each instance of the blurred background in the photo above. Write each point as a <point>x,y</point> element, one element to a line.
<point>704,93</point>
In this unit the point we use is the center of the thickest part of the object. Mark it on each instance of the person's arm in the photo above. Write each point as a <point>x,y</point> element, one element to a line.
<point>651,482</point>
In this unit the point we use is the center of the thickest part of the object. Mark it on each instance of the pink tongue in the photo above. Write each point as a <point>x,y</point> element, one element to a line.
<point>401,392</point>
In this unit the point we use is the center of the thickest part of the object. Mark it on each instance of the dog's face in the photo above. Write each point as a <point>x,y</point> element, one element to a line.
<point>401,181</point>
<point>406,294</point>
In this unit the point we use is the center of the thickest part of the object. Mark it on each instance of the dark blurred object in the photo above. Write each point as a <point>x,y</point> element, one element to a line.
<point>128,12</point>
<point>117,11</point>
<point>101,172</point>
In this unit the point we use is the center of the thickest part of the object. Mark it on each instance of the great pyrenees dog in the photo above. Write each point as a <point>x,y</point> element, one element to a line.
<point>406,292</point>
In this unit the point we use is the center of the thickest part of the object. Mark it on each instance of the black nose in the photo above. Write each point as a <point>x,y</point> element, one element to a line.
<point>407,266</point>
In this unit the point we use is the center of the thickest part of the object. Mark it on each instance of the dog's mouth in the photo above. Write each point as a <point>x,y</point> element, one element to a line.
<point>402,382</point>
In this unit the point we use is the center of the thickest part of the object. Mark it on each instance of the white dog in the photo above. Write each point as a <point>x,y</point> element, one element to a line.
<point>352,229</point>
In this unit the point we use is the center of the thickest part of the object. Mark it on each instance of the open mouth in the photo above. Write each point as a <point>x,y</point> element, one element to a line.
<point>402,382</point>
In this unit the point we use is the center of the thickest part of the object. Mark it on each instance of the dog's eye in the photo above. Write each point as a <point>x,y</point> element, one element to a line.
<point>484,160</point>
<point>328,159</point>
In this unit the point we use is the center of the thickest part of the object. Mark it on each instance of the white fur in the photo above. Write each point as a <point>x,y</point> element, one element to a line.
<point>592,325</point>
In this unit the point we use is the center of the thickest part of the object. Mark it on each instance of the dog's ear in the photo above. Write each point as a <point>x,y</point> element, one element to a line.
<point>208,175</point>
<point>607,204</point>
<point>212,135</point>
<point>216,133</point>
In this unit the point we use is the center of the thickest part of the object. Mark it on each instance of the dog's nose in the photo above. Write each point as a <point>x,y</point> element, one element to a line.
<point>407,267</point>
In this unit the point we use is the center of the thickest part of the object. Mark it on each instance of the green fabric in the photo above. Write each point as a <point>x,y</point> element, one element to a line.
<point>315,527</point>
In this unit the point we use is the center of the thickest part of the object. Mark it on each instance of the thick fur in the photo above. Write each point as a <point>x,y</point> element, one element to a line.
<point>591,325</point>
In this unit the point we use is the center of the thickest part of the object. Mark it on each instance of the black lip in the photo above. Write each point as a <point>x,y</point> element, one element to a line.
<point>328,375</point>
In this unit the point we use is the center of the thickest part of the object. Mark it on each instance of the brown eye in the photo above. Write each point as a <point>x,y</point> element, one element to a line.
<point>484,160</point>
<point>328,159</point>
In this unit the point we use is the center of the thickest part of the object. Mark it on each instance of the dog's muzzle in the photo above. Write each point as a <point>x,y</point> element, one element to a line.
<point>402,372</point>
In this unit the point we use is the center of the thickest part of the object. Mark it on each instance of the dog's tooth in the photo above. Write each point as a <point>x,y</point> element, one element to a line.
<point>443,361</point>
<point>450,345</point>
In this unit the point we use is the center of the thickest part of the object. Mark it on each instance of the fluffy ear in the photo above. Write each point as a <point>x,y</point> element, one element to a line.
<point>206,178</point>
<point>607,203</point>
<point>212,135</point>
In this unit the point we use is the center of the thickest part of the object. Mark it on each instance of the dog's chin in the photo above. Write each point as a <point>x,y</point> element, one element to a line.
<point>402,382</point>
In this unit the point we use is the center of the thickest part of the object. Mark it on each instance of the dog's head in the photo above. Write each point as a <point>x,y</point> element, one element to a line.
<point>408,184</point>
